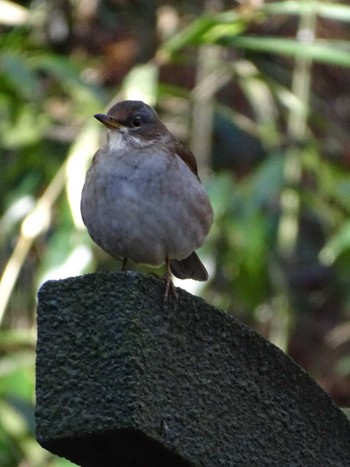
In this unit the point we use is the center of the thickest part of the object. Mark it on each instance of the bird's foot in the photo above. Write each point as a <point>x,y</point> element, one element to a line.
<point>170,289</point>
<point>169,285</point>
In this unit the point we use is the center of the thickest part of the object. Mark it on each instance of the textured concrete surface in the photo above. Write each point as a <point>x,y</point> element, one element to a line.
<point>124,381</point>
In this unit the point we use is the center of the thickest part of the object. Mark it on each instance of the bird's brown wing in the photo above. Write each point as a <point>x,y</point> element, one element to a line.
<point>187,156</point>
<point>190,267</point>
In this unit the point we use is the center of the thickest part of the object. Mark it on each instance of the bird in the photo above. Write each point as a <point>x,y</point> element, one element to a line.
<point>142,199</point>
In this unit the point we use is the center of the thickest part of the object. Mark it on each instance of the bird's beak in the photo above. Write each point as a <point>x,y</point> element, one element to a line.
<point>108,121</point>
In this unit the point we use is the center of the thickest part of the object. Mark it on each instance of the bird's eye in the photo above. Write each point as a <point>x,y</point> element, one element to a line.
<point>136,122</point>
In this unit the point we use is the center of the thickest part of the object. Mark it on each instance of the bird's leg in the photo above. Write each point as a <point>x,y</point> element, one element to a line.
<point>124,264</point>
<point>169,286</point>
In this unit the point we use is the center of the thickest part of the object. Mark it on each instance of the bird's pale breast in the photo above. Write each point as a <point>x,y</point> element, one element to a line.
<point>145,207</point>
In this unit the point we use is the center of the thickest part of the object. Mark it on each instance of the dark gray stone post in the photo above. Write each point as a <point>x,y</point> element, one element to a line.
<point>124,381</point>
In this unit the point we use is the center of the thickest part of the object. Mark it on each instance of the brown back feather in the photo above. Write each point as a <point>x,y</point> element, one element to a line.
<point>187,156</point>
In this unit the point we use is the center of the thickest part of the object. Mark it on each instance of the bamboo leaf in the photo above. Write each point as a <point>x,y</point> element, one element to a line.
<point>335,11</point>
<point>228,25</point>
<point>60,67</point>
<point>206,29</point>
<point>336,245</point>
<point>330,52</point>
<point>188,36</point>
<point>14,67</point>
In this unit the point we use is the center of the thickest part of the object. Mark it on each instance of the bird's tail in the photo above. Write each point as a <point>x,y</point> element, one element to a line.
<point>189,268</point>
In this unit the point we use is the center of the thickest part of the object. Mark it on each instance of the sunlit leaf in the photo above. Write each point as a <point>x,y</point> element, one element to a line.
<point>12,421</point>
<point>260,97</point>
<point>334,11</point>
<point>205,29</point>
<point>188,36</point>
<point>330,52</point>
<point>216,32</point>
<point>337,245</point>
<point>27,128</point>
<point>78,160</point>
<point>12,339</point>
<point>16,374</point>
<point>24,408</point>
<point>12,14</point>
<point>65,255</point>
<point>141,84</point>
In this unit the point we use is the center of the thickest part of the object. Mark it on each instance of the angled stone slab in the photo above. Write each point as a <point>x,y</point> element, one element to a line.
<point>124,381</point>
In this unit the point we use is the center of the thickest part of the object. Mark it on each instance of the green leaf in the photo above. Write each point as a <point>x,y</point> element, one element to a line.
<point>85,95</point>
<point>26,129</point>
<point>330,52</point>
<point>342,192</point>
<point>188,36</point>
<point>335,11</point>
<point>16,374</point>
<point>141,83</point>
<point>222,30</point>
<point>337,245</point>
<point>60,67</point>
<point>259,95</point>
<point>229,24</point>
<point>16,69</point>
<point>268,180</point>
<point>206,29</point>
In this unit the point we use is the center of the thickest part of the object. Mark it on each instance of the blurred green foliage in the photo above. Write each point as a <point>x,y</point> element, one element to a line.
<point>248,88</point>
